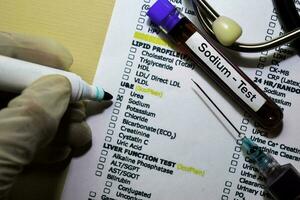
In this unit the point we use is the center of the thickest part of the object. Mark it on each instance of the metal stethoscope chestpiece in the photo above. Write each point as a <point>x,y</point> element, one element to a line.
<point>227,31</point>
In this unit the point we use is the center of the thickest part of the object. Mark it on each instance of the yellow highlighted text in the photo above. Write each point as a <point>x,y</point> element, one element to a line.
<point>190,169</point>
<point>150,91</point>
<point>150,38</point>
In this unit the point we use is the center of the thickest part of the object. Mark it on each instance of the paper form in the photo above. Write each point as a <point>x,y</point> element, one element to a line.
<point>159,140</point>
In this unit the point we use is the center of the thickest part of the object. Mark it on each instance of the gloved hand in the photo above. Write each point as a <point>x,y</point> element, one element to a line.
<point>35,49</point>
<point>39,125</point>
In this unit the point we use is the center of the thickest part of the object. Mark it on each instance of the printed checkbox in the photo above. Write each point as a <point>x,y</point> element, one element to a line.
<point>127,70</point>
<point>245,121</point>
<point>108,139</point>
<point>116,111</point>
<point>125,77</point>
<point>100,166</point>
<point>120,98</point>
<point>110,132</point>
<point>258,73</point>
<point>114,118</point>
<point>98,173</point>
<point>106,190</point>
<point>129,63</point>
<point>118,104</point>
<point>274,17</point>
<point>239,142</point>
<point>131,56</point>
<point>260,66</point>
<point>121,91</point>
<point>262,58</point>
<point>104,152</point>
<point>139,27</point>
<point>143,13</point>
<point>141,20</point>
<point>232,170</point>
<point>226,191</point>
<point>92,194</point>
<point>270,31</point>
<point>272,24</point>
<point>111,125</point>
<point>234,163</point>
<point>268,38</point>
<point>132,49</point>
<point>243,128</point>
<point>237,149</point>
<point>108,183</point>
<point>224,197</point>
<point>236,156</point>
<point>102,159</point>
<point>242,135</point>
<point>228,183</point>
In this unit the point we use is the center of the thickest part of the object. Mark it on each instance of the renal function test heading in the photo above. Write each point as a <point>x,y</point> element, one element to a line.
<point>16,75</point>
<point>230,78</point>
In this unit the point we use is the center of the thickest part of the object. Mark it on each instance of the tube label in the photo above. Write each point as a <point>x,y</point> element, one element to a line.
<point>225,71</point>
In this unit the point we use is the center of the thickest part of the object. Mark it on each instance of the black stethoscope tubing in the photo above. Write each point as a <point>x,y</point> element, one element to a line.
<point>288,16</point>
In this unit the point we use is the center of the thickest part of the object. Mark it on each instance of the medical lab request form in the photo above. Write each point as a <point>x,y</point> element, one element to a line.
<point>159,140</point>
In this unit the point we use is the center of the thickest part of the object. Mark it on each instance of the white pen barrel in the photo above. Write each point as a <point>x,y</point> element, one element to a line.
<point>16,75</point>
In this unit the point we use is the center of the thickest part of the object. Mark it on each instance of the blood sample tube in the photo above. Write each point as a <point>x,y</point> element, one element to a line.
<point>184,34</point>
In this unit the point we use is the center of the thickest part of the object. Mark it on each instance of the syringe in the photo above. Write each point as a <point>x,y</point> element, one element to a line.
<point>282,181</point>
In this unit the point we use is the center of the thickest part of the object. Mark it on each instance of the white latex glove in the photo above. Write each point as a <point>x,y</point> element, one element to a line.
<point>35,49</point>
<point>39,125</point>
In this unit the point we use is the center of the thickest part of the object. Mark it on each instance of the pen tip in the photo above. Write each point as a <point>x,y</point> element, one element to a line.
<point>107,96</point>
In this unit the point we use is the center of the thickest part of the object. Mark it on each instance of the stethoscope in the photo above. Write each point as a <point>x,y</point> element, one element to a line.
<point>288,16</point>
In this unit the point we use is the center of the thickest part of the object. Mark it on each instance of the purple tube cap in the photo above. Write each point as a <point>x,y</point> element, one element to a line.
<point>159,11</point>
